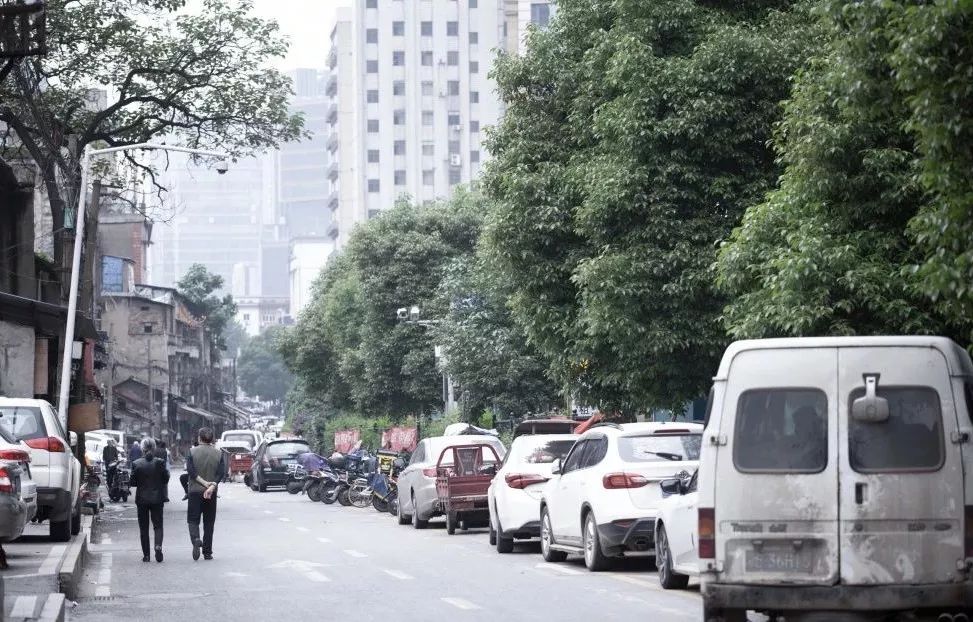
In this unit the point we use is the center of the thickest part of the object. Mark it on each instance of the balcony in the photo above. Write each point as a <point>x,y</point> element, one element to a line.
<point>332,59</point>
<point>333,171</point>
<point>333,231</point>
<point>333,142</point>
<point>333,202</point>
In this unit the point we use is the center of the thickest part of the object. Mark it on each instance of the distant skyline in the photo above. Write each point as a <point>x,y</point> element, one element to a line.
<point>308,24</point>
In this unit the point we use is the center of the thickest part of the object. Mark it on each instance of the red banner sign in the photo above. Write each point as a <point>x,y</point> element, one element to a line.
<point>344,440</point>
<point>399,439</point>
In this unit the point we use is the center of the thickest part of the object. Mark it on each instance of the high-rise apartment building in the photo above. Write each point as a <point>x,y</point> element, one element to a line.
<point>520,15</point>
<point>411,98</point>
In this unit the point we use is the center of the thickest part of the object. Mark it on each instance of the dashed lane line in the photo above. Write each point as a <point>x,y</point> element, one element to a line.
<point>324,540</point>
<point>314,575</point>
<point>268,511</point>
<point>398,574</point>
<point>303,529</point>
<point>284,519</point>
<point>558,568</point>
<point>102,590</point>
<point>459,603</point>
<point>354,553</point>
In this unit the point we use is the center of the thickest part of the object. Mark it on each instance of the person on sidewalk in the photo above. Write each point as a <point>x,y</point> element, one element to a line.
<point>134,453</point>
<point>206,468</point>
<point>151,481</point>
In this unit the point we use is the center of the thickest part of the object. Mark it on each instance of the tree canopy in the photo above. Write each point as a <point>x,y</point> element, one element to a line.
<point>261,370</point>
<point>200,288</point>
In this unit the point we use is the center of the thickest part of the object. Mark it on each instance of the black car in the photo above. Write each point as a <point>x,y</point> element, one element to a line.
<point>272,459</point>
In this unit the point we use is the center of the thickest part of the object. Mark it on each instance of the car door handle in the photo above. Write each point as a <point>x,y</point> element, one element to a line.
<point>861,492</point>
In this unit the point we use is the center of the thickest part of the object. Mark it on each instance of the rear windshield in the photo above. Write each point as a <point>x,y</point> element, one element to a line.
<point>246,439</point>
<point>781,431</point>
<point>486,456</point>
<point>539,451</point>
<point>278,450</point>
<point>911,439</point>
<point>22,422</point>
<point>660,447</point>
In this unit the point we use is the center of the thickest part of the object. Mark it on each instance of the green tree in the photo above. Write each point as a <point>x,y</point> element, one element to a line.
<point>634,138</point>
<point>236,337</point>
<point>869,158</point>
<point>261,369</point>
<point>200,288</point>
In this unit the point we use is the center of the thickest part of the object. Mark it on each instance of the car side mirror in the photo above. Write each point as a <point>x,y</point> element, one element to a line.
<point>488,469</point>
<point>73,439</point>
<point>671,486</point>
<point>871,408</point>
<point>557,467</point>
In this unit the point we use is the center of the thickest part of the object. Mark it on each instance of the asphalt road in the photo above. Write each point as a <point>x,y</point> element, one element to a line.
<point>281,555</point>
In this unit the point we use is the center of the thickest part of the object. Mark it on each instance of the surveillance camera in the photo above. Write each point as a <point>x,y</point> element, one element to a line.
<point>222,167</point>
<point>402,313</point>
<point>414,312</point>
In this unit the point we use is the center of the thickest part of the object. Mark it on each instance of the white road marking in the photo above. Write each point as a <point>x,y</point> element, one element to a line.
<point>106,540</point>
<point>236,574</point>
<point>314,575</point>
<point>102,590</point>
<point>324,540</point>
<point>268,512</point>
<point>104,576</point>
<point>284,519</point>
<point>354,553</point>
<point>304,529</point>
<point>106,559</point>
<point>634,581</point>
<point>559,568</point>
<point>459,603</point>
<point>24,607</point>
<point>398,574</point>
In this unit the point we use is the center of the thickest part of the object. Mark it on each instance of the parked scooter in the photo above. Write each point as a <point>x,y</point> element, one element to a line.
<point>385,491</point>
<point>296,474</point>
<point>119,480</point>
<point>90,491</point>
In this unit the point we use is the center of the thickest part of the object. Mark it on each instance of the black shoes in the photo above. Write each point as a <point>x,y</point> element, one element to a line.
<point>207,556</point>
<point>145,558</point>
<point>197,548</point>
<point>184,497</point>
<point>158,554</point>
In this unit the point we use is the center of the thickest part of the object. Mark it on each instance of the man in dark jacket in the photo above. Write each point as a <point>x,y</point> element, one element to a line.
<point>134,453</point>
<point>109,457</point>
<point>206,467</point>
<point>151,481</point>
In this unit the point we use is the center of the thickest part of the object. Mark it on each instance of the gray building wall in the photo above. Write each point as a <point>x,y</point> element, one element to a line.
<point>16,360</point>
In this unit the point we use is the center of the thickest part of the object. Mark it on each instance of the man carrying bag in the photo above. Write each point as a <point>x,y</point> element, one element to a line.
<point>206,467</point>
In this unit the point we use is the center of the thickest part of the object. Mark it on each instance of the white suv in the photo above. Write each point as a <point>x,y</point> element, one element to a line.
<point>603,499</point>
<point>54,469</point>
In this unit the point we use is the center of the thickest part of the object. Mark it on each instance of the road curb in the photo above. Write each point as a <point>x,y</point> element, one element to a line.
<point>72,565</point>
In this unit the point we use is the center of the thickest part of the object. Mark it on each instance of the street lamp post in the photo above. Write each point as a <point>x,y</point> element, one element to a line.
<point>65,387</point>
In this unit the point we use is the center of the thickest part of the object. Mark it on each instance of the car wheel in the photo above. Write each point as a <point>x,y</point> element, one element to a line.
<point>261,485</point>
<point>493,535</point>
<point>547,539</point>
<point>60,531</point>
<point>504,545</point>
<point>668,578</point>
<point>712,614</point>
<point>594,557</point>
<point>402,518</point>
<point>450,523</point>
<point>76,519</point>
<point>417,523</point>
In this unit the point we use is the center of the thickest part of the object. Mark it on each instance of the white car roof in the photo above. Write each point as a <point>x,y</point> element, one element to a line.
<point>24,401</point>
<point>647,427</point>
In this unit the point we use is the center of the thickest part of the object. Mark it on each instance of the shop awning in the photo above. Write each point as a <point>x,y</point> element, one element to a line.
<point>46,318</point>
<point>199,412</point>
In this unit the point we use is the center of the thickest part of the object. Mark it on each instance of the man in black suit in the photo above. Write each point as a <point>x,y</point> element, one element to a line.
<point>151,481</point>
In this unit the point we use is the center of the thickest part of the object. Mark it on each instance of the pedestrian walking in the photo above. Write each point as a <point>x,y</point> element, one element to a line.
<point>184,478</point>
<point>206,467</point>
<point>134,453</point>
<point>151,481</point>
<point>109,457</point>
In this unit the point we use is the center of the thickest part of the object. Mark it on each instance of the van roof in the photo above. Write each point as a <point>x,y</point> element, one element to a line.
<point>957,358</point>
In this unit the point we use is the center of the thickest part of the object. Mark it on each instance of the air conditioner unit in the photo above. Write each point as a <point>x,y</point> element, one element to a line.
<point>454,159</point>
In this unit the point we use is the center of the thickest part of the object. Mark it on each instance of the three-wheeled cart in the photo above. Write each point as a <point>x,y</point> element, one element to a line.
<point>463,474</point>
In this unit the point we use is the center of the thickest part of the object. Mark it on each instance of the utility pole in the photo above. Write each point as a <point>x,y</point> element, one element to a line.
<point>148,364</point>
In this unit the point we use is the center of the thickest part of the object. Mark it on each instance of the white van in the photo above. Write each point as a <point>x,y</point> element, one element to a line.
<point>832,479</point>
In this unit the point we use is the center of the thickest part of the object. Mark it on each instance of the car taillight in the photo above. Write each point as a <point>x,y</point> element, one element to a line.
<point>523,480</point>
<point>429,472</point>
<point>14,455</point>
<point>6,484</point>
<point>706,530</point>
<point>623,480</point>
<point>50,443</point>
<point>969,531</point>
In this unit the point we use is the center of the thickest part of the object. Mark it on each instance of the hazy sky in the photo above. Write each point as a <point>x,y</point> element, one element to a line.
<point>308,23</point>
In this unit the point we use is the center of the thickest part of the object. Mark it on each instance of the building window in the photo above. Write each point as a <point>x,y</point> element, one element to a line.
<point>371,35</point>
<point>398,29</point>
<point>540,14</point>
<point>429,149</point>
<point>474,126</point>
<point>425,29</point>
<point>474,97</point>
<point>371,4</point>
<point>474,37</point>
<point>398,117</point>
<point>427,89</point>
<point>452,87</point>
<point>398,58</point>
<point>452,29</point>
<point>398,147</point>
<point>455,176</point>
<point>246,317</point>
<point>427,59</point>
<point>400,178</point>
<point>473,4</point>
<point>371,66</point>
<point>373,185</point>
<point>372,126</point>
<point>454,146</point>
<point>427,117</point>
<point>474,66</point>
<point>372,96</point>
<point>398,87</point>
<point>452,58</point>
<point>453,119</point>
<point>428,177</point>
<point>474,156</point>
<point>373,155</point>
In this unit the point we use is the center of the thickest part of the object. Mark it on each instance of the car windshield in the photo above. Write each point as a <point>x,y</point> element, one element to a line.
<point>660,447</point>
<point>238,439</point>
<point>288,449</point>
<point>534,450</point>
<point>22,422</point>
<point>487,455</point>
<point>92,445</point>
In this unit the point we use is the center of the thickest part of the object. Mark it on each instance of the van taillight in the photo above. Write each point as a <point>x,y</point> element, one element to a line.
<point>14,455</point>
<point>969,531</point>
<point>707,533</point>
<point>49,443</point>
<point>6,484</point>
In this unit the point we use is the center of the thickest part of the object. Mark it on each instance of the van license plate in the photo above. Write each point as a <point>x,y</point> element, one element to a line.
<point>778,561</point>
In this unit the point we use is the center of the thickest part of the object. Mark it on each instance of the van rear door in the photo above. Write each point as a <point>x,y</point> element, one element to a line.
<point>901,499</point>
<point>776,487</point>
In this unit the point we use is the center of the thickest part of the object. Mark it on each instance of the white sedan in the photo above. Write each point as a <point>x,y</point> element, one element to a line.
<point>675,532</point>
<point>514,495</point>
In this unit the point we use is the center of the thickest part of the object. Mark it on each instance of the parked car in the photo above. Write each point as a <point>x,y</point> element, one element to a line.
<point>676,556</point>
<point>13,509</point>
<point>271,462</point>
<point>54,468</point>
<point>836,474</point>
<point>603,498</point>
<point>12,451</point>
<point>514,495</point>
<point>418,500</point>
<point>234,438</point>
<point>119,437</point>
<point>94,445</point>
